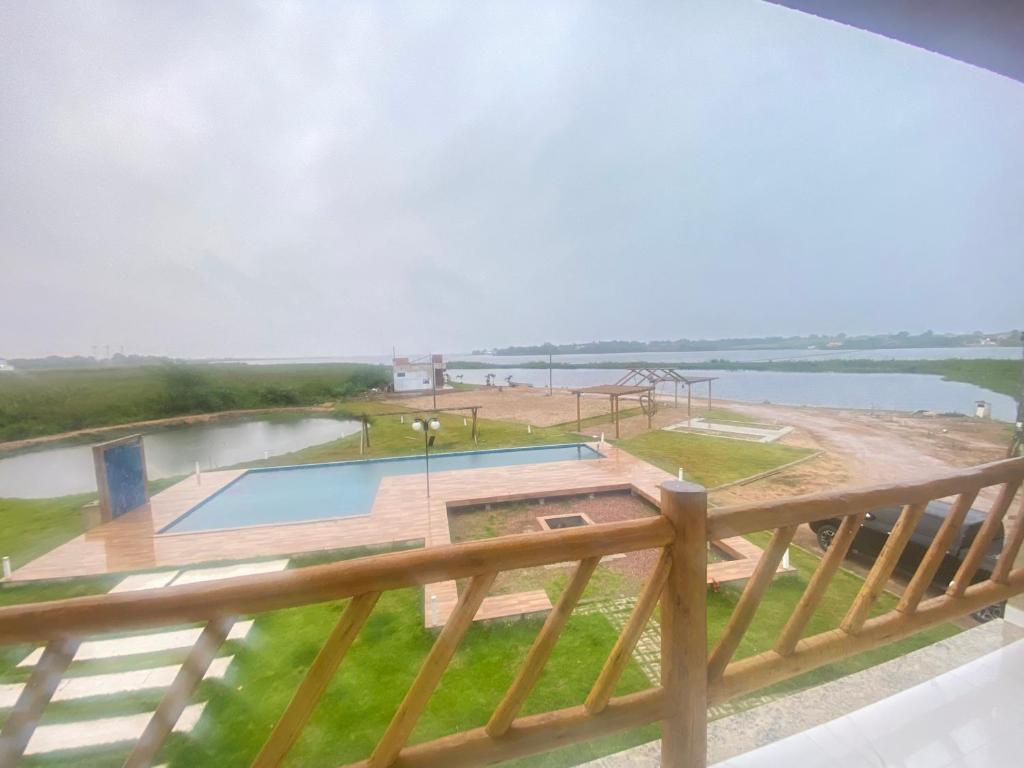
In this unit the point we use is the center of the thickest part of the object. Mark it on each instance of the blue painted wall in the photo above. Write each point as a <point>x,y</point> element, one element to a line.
<point>126,480</point>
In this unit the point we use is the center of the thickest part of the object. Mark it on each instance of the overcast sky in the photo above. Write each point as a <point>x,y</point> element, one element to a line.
<point>288,179</point>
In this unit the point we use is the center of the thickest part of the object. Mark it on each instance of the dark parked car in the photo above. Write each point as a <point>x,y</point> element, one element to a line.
<point>879,523</point>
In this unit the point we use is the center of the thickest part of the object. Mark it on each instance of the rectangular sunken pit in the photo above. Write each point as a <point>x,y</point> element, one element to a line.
<point>558,522</point>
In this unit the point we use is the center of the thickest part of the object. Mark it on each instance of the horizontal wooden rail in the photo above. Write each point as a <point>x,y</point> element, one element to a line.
<point>534,734</point>
<point>741,519</point>
<point>267,592</point>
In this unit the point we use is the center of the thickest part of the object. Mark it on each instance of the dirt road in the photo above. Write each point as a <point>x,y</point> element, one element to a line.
<point>888,447</point>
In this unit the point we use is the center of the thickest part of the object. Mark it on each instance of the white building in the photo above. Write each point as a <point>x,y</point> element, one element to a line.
<point>5,367</point>
<point>420,374</point>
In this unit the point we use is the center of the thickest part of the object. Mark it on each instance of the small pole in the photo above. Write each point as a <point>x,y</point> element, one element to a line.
<point>785,560</point>
<point>266,455</point>
<point>426,461</point>
<point>7,567</point>
<point>433,610</point>
<point>199,475</point>
<point>602,439</point>
<point>681,478</point>
<point>550,391</point>
<point>529,429</point>
<point>401,419</point>
<point>464,422</point>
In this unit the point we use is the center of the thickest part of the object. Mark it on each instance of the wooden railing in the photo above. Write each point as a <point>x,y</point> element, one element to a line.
<point>691,678</point>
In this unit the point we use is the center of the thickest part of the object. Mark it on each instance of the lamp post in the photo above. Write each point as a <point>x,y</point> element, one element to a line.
<point>426,426</point>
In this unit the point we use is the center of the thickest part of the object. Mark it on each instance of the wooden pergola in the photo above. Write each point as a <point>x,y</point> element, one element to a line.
<point>614,392</point>
<point>652,377</point>
<point>364,436</point>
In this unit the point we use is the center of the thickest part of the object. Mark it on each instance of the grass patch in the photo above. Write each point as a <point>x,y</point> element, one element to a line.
<point>710,461</point>
<point>601,418</point>
<point>32,527</point>
<point>391,436</point>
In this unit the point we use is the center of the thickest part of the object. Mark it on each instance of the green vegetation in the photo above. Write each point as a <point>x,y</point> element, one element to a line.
<point>601,418</point>
<point>710,461</point>
<point>49,402</point>
<point>391,436</point>
<point>32,527</point>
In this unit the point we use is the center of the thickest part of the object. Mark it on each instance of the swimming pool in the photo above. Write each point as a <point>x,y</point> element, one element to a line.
<point>341,489</point>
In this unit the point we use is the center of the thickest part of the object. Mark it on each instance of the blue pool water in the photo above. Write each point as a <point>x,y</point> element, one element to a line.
<point>342,489</point>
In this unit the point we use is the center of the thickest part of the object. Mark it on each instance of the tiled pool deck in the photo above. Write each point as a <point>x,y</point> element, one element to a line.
<point>401,512</point>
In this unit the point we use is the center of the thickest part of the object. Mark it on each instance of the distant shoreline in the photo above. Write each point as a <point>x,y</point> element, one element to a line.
<point>998,375</point>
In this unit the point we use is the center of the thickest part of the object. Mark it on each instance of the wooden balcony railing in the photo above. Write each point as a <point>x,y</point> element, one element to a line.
<point>691,678</point>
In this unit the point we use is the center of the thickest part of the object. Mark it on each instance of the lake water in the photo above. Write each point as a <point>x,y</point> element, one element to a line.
<point>173,451</point>
<point>885,391</point>
<point>740,355</point>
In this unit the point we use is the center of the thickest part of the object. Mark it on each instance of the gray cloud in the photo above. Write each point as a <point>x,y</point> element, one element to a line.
<point>314,178</point>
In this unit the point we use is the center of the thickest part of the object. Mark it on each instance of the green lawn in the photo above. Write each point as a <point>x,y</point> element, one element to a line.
<point>710,461</point>
<point>601,418</point>
<point>32,527</point>
<point>391,436</point>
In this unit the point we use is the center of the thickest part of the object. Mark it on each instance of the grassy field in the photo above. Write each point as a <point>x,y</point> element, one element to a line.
<point>49,402</point>
<point>394,436</point>
<point>710,461</point>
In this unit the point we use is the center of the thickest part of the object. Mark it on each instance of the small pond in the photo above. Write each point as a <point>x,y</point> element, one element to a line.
<point>62,469</point>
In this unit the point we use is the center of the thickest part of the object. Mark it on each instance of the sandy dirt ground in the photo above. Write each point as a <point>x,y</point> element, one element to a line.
<point>527,405</point>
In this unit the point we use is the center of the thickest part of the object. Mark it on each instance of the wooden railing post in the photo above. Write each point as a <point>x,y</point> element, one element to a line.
<point>684,630</point>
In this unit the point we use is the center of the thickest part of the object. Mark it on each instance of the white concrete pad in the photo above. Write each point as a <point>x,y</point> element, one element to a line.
<point>757,434</point>
<point>117,682</point>
<point>145,581</point>
<point>198,575</point>
<point>107,730</point>
<point>137,644</point>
